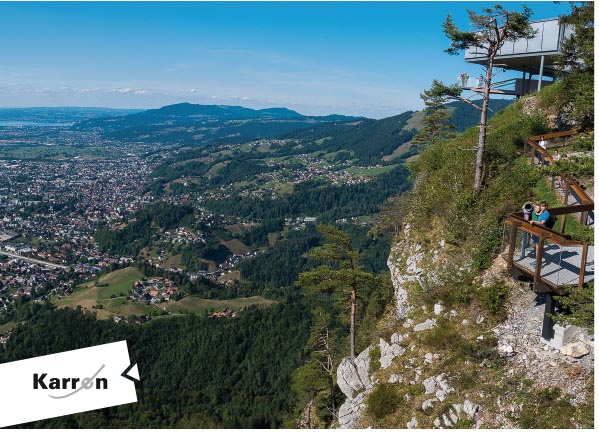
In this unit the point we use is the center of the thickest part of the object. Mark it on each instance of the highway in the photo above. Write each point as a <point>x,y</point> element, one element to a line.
<point>32,260</point>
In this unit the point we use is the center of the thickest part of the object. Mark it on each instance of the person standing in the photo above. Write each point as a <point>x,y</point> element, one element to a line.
<point>541,220</point>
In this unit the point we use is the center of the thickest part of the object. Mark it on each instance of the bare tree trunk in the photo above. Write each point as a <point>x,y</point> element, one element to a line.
<point>352,326</point>
<point>482,136</point>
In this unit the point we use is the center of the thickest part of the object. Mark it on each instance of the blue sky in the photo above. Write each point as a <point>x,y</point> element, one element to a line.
<point>370,59</point>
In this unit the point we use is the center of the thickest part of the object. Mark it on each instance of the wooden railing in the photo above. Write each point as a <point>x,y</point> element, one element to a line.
<point>517,221</point>
<point>545,157</point>
<point>533,141</point>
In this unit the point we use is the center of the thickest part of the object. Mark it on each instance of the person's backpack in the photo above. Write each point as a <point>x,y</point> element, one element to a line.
<point>551,222</point>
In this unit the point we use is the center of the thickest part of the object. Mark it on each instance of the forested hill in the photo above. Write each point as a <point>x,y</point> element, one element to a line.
<point>464,116</point>
<point>369,140</point>
<point>204,124</point>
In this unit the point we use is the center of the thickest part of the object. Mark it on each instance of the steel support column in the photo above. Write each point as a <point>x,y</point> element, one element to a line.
<point>541,72</point>
<point>547,332</point>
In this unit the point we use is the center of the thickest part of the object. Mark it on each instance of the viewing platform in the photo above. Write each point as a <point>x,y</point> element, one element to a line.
<point>535,56</point>
<point>560,261</point>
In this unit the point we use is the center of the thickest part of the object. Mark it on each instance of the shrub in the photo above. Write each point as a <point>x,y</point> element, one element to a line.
<point>493,299</point>
<point>484,251</point>
<point>375,358</point>
<point>577,308</point>
<point>383,401</point>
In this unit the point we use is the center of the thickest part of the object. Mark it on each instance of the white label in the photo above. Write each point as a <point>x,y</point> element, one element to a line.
<point>66,383</point>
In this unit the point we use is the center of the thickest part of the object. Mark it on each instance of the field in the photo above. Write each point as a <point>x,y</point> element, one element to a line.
<point>7,326</point>
<point>56,152</point>
<point>399,151</point>
<point>116,284</point>
<point>199,305</point>
<point>235,246</point>
<point>119,282</point>
<point>371,172</point>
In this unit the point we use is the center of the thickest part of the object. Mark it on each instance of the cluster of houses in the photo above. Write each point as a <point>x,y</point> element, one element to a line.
<point>22,279</point>
<point>299,223</point>
<point>4,337</point>
<point>183,235</point>
<point>154,290</point>
<point>226,312</point>
<point>132,320</point>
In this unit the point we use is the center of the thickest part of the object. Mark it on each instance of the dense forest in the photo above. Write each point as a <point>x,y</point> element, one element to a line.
<point>314,198</point>
<point>195,372</point>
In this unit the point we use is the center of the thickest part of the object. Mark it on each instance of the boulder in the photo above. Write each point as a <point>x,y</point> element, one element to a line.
<point>395,378</point>
<point>505,350</point>
<point>426,325</point>
<point>352,378</point>
<point>396,338</point>
<point>470,409</point>
<point>429,385</point>
<point>412,424</point>
<point>428,404</point>
<point>438,308</point>
<point>575,349</point>
<point>389,352</point>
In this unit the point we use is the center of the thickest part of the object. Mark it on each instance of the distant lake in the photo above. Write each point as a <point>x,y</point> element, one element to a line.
<point>13,123</point>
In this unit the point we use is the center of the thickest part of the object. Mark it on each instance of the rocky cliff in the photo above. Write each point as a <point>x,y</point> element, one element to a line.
<point>478,379</point>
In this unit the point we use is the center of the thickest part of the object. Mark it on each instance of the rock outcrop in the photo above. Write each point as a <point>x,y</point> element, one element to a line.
<point>354,382</point>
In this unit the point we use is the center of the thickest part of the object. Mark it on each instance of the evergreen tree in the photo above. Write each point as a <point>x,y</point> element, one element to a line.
<point>490,30</point>
<point>577,63</point>
<point>342,273</point>
<point>436,125</point>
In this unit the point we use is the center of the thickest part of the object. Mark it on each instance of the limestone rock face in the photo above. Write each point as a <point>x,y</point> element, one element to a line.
<point>350,410</point>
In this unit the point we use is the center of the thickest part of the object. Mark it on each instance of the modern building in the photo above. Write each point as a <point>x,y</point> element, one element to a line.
<point>535,57</point>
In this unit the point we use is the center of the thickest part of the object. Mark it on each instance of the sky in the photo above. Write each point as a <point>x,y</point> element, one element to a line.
<point>371,59</point>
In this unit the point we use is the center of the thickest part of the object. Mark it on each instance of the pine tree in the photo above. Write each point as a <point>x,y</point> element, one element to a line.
<point>491,30</point>
<point>436,125</point>
<point>342,274</point>
<point>577,63</point>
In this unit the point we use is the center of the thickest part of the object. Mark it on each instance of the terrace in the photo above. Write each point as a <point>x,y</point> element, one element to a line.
<point>533,57</point>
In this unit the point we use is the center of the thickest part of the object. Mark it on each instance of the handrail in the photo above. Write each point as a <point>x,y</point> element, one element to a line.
<point>572,183</point>
<point>539,231</point>
<point>557,211</point>
<point>540,149</point>
<point>579,190</point>
<point>555,134</point>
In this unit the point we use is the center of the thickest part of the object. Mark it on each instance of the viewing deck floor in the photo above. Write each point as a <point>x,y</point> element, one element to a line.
<point>554,272</point>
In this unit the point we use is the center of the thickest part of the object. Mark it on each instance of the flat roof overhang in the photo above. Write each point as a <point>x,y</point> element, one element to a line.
<point>522,62</point>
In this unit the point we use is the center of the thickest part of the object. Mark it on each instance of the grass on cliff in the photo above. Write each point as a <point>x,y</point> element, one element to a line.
<point>442,206</point>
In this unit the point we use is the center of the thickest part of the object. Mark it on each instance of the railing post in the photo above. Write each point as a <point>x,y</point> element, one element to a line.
<point>562,227</point>
<point>539,261</point>
<point>566,191</point>
<point>583,264</point>
<point>512,247</point>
